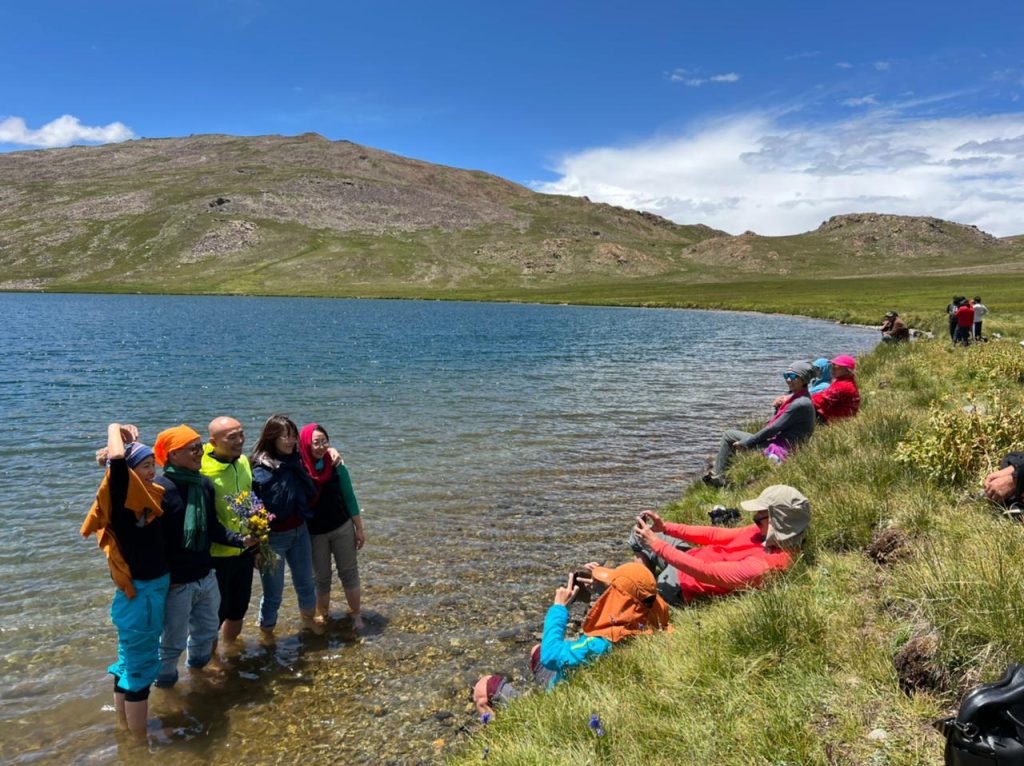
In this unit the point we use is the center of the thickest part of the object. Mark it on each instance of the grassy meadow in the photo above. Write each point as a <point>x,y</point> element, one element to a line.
<point>920,300</point>
<point>804,671</point>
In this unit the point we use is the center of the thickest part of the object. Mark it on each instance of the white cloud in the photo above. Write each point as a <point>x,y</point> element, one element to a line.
<point>844,65</point>
<point>869,100</point>
<point>803,55</point>
<point>63,131</point>
<point>750,172</point>
<point>882,66</point>
<point>690,78</point>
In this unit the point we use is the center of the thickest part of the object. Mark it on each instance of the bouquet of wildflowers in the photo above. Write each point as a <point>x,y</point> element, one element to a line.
<point>254,520</point>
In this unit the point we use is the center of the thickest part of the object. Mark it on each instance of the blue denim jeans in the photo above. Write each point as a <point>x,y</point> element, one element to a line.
<point>294,547</point>
<point>190,620</point>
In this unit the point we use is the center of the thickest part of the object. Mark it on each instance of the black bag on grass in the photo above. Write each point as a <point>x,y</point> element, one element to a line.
<point>989,728</point>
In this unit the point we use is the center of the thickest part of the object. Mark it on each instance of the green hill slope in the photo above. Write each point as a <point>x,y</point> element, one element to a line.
<point>304,215</point>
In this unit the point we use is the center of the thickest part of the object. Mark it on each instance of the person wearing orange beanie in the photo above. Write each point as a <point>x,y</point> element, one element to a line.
<point>190,525</point>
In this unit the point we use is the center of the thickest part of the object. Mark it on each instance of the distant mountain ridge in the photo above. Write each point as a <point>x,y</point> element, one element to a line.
<point>305,215</point>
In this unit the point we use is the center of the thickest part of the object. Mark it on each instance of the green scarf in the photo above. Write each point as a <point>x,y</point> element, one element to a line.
<point>194,536</point>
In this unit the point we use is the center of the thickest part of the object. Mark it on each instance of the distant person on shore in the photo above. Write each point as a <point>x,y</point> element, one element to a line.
<point>335,526</point>
<point>190,522</point>
<point>728,559</point>
<point>126,517</point>
<point>822,376</point>
<point>894,329</point>
<point>951,310</point>
<point>842,398</point>
<point>281,482</point>
<point>792,422</point>
<point>980,310</point>
<point>229,472</point>
<point>629,606</point>
<point>964,323</point>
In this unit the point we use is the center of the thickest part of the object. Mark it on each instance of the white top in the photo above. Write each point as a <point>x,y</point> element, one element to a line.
<point>979,311</point>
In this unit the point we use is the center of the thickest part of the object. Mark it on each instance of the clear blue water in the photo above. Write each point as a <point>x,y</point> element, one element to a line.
<point>492,446</point>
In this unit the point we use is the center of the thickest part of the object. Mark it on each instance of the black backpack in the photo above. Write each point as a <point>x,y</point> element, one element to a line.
<point>989,729</point>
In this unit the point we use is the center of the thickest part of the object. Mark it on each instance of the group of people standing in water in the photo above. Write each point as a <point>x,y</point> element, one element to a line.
<point>182,567</point>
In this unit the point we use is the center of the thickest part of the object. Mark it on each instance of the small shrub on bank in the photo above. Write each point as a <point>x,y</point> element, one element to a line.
<point>960,444</point>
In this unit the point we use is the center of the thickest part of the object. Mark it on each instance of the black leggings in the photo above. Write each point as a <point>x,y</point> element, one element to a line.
<point>129,696</point>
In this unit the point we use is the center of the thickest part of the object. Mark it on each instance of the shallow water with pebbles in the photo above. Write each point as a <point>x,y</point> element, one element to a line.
<point>493,447</point>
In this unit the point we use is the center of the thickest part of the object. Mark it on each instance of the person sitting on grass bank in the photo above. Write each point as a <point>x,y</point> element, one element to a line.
<point>841,399</point>
<point>1006,486</point>
<point>729,559</point>
<point>127,519</point>
<point>822,378</point>
<point>894,329</point>
<point>792,422</point>
<point>629,606</point>
<point>190,525</point>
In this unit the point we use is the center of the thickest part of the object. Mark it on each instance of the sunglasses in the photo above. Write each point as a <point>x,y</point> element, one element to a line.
<point>790,376</point>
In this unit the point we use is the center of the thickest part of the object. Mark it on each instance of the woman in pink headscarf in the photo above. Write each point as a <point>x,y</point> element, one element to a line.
<point>335,526</point>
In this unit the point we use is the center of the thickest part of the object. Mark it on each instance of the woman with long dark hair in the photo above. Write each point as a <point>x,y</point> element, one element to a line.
<point>281,482</point>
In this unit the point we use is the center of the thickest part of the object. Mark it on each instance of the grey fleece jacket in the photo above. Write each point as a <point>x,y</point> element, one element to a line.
<point>792,427</point>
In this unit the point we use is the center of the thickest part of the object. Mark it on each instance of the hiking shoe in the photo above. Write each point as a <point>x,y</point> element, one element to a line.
<point>714,481</point>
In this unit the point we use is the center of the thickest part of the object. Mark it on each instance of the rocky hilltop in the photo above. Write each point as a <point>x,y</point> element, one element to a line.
<point>305,215</point>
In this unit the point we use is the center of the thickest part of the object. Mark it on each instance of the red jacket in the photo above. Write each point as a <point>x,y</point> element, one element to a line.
<point>965,316</point>
<point>840,400</point>
<point>730,559</point>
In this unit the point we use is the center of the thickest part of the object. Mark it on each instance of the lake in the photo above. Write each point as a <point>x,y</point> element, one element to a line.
<point>492,446</point>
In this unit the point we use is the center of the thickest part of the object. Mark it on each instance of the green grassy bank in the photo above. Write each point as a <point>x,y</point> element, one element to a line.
<point>805,670</point>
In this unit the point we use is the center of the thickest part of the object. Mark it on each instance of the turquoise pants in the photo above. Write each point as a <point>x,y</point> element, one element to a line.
<point>139,622</point>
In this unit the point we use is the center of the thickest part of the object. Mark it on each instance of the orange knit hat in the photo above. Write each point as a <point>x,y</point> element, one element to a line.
<point>172,439</point>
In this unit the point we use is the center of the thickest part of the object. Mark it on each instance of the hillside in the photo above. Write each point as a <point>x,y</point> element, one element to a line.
<point>865,243</point>
<point>302,214</point>
<point>305,215</point>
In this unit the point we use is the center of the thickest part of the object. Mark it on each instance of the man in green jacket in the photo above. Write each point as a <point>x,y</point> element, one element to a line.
<point>228,469</point>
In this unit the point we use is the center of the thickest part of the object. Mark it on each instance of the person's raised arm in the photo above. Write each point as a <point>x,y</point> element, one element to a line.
<point>115,443</point>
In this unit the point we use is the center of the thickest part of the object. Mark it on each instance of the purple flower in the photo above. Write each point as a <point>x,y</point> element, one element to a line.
<point>486,718</point>
<point>595,725</point>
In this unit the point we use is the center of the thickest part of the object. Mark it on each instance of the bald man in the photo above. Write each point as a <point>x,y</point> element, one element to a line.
<point>228,469</point>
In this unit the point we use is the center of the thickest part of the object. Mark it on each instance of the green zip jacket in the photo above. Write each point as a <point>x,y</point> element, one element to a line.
<point>229,480</point>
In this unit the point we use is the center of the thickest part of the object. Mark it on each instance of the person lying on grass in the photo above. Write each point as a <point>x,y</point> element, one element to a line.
<point>728,559</point>
<point>1006,486</point>
<point>629,606</point>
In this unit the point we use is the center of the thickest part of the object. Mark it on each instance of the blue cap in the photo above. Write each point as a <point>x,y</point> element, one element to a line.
<point>136,452</point>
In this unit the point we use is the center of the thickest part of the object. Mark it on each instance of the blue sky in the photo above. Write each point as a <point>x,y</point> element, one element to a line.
<point>742,115</point>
